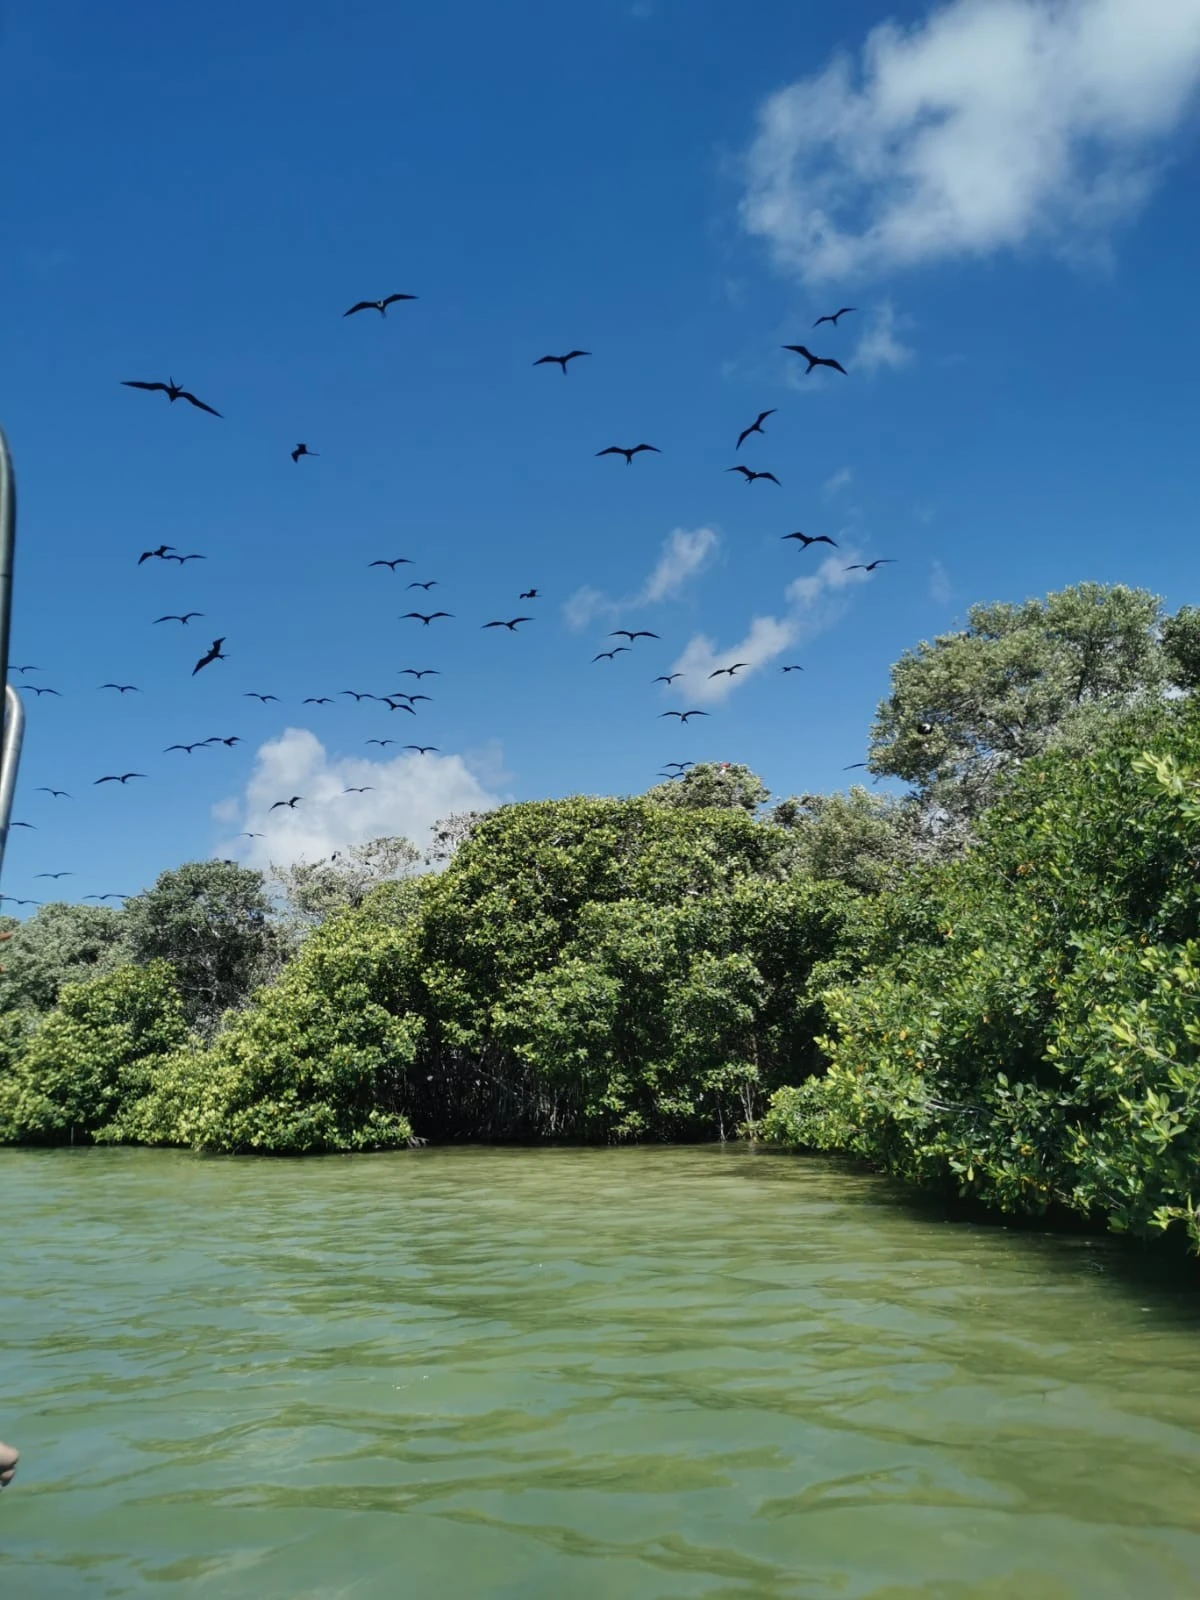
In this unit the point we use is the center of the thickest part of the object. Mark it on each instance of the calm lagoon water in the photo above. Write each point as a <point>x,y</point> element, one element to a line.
<point>577,1375</point>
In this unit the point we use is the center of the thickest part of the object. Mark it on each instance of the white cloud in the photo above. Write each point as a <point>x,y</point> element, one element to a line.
<point>766,638</point>
<point>834,485</point>
<point>878,345</point>
<point>408,794</point>
<point>941,590</point>
<point>583,605</point>
<point>813,607</point>
<point>990,124</point>
<point>685,553</point>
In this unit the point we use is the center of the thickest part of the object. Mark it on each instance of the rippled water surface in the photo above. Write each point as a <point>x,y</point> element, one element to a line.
<point>575,1375</point>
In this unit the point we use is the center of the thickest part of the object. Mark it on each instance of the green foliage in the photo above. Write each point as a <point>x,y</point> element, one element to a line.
<point>605,968</point>
<point>210,920</point>
<point>315,891</point>
<point>317,1063</point>
<point>70,1076</point>
<point>1031,1039</point>
<point>977,702</point>
<point>1181,647</point>
<point>868,841</point>
<point>712,785</point>
<point>59,944</point>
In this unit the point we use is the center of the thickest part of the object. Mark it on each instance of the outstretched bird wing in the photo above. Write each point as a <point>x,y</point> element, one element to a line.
<point>199,404</point>
<point>133,383</point>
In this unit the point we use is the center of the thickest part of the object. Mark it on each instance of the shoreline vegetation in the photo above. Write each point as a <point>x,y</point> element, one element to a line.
<point>987,987</point>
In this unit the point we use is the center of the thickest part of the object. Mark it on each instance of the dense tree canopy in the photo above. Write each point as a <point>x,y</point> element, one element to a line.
<point>977,701</point>
<point>211,922</point>
<point>59,944</point>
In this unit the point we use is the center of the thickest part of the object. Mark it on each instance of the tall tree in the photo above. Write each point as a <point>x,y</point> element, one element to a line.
<point>976,702</point>
<point>314,891</point>
<point>59,944</point>
<point>211,922</point>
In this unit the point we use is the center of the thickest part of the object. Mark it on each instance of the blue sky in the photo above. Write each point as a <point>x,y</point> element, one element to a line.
<point>1003,189</point>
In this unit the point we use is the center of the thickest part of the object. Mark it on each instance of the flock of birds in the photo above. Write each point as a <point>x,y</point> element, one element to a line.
<point>399,700</point>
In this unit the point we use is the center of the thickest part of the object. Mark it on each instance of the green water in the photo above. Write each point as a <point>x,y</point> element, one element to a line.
<point>575,1374</point>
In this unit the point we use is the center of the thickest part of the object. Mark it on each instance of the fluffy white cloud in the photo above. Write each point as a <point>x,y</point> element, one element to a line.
<point>765,639</point>
<point>408,793</point>
<point>685,553</point>
<point>878,345</point>
<point>989,124</point>
<point>836,483</point>
<point>813,606</point>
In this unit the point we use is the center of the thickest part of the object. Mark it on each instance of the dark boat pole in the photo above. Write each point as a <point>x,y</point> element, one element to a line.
<point>12,713</point>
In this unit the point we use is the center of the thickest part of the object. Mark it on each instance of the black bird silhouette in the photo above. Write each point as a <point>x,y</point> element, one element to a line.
<point>869,566</point>
<point>381,741</point>
<point>683,715</point>
<point>217,738</point>
<point>429,584</point>
<point>12,900</point>
<point>682,765</point>
<point>755,427</point>
<point>399,694</point>
<point>365,695</point>
<point>378,305</point>
<point>528,594</point>
<point>510,625</point>
<point>421,749</point>
<point>620,450</point>
<point>187,748</point>
<point>398,705</point>
<point>750,476</point>
<point>213,654</point>
<point>562,360</point>
<point>791,669</point>
<point>854,764</point>
<point>425,672</point>
<point>109,896</point>
<point>57,793</point>
<point>172,391</point>
<point>668,677</point>
<point>122,777</point>
<point>183,560</point>
<point>122,688</point>
<point>22,825</point>
<point>291,804</point>
<point>367,788</point>
<point>54,874</point>
<point>816,361</point>
<point>609,655</point>
<point>421,617</point>
<point>249,694</point>
<point>833,316</point>
<point>146,555</point>
<point>244,835</point>
<point>303,450</point>
<point>812,538</point>
<point>624,633</point>
<point>30,668</point>
<point>729,670</point>
<point>185,618</point>
<point>400,561</point>
<point>317,700</point>
<point>33,689</point>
